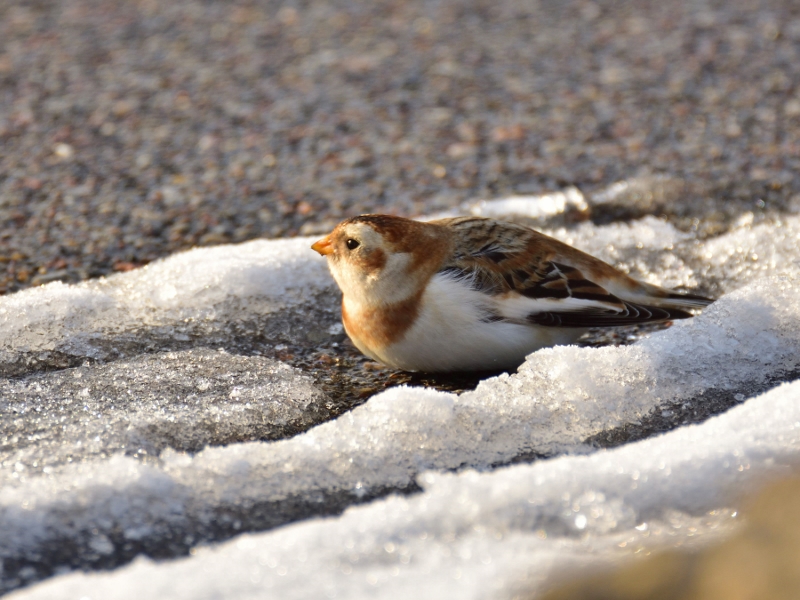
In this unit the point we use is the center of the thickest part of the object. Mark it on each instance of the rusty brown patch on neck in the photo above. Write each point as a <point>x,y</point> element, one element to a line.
<point>376,328</point>
<point>375,260</point>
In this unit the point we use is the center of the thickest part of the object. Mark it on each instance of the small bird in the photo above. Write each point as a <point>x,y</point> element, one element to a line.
<point>471,293</point>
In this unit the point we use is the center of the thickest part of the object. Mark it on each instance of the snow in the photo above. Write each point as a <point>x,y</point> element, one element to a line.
<point>138,447</point>
<point>195,294</point>
<point>558,401</point>
<point>534,207</point>
<point>184,400</point>
<point>490,535</point>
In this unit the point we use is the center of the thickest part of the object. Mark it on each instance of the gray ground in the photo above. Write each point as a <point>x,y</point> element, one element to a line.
<point>132,129</point>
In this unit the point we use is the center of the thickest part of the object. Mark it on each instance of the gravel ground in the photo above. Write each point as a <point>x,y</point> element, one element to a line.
<point>133,129</point>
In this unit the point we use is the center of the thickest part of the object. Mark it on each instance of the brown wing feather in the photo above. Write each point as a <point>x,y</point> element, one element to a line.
<point>503,259</point>
<point>632,314</point>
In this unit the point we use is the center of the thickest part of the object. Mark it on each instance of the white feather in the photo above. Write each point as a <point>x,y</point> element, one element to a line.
<point>449,333</point>
<point>517,306</point>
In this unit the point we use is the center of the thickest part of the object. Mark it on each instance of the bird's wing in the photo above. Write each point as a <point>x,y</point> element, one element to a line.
<point>535,279</point>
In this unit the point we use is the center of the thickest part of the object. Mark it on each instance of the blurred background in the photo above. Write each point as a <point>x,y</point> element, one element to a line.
<point>133,129</point>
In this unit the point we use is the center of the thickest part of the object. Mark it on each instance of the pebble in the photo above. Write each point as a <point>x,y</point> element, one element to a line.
<point>144,128</point>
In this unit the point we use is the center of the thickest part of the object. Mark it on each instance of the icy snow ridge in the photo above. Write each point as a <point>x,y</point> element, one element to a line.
<point>560,399</point>
<point>200,297</point>
<point>185,400</point>
<point>490,535</point>
<point>104,506</point>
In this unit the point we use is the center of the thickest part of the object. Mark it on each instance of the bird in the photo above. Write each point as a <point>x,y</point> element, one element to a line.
<point>474,294</point>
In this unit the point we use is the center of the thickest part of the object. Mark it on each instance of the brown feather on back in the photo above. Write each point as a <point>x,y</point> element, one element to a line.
<point>507,259</point>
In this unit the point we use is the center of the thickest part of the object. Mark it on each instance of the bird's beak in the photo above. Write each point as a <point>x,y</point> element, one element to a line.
<point>323,246</point>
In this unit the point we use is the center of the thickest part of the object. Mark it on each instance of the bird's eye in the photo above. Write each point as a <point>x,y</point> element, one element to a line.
<point>352,244</point>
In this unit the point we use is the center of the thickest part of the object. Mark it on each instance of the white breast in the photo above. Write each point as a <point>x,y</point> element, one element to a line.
<point>450,335</point>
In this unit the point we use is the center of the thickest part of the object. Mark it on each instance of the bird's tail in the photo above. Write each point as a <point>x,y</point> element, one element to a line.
<point>668,299</point>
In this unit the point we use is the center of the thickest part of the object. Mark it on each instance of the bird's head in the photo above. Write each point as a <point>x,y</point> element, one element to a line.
<point>382,259</point>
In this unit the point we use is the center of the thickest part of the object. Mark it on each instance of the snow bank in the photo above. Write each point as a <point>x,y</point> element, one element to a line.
<point>228,294</point>
<point>490,535</point>
<point>533,207</point>
<point>185,400</point>
<point>206,294</point>
<point>560,399</point>
<point>654,251</point>
<point>83,482</point>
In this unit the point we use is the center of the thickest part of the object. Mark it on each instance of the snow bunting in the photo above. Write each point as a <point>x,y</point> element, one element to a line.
<point>471,293</point>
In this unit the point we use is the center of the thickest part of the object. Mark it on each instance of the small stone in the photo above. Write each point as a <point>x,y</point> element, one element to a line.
<point>64,151</point>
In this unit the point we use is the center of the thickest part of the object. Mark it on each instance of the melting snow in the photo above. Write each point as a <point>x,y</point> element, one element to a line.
<point>490,535</point>
<point>96,461</point>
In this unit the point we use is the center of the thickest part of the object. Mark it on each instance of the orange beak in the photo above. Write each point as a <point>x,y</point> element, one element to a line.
<point>323,246</point>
